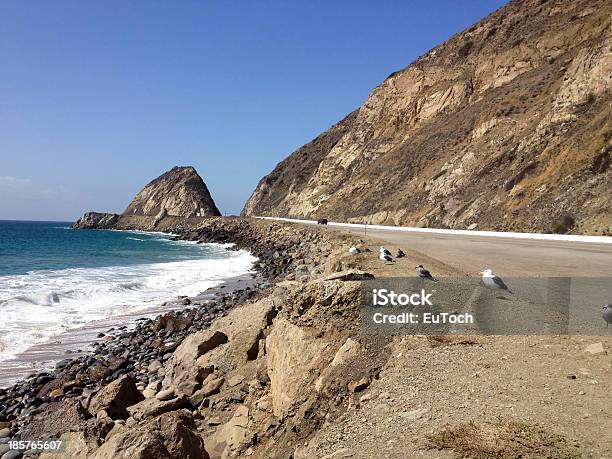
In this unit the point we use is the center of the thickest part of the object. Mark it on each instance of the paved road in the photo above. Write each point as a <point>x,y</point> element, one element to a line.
<point>524,254</point>
<point>518,260</point>
<point>506,256</point>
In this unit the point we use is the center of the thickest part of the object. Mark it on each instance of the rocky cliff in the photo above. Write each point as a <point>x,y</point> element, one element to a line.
<point>173,198</point>
<point>505,126</point>
<point>180,192</point>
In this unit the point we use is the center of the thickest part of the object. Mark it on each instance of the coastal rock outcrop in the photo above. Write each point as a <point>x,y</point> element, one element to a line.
<point>97,220</point>
<point>505,126</point>
<point>291,357</point>
<point>180,192</point>
<point>174,199</point>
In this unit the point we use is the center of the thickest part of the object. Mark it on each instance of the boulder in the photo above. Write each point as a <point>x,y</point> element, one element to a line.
<point>75,445</point>
<point>234,380</point>
<point>116,397</point>
<point>152,389</point>
<point>231,342</point>
<point>347,351</point>
<point>345,354</point>
<point>165,395</point>
<point>172,435</point>
<point>12,454</point>
<point>231,436</point>
<point>154,407</point>
<point>339,454</point>
<point>358,386</point>
<point>291,355</point>
<point>264,403</point>
<point>212,386</point>
<point>57,418</point>
<point>154,366</point>
<point>181,367</point>
<point>96,430</point>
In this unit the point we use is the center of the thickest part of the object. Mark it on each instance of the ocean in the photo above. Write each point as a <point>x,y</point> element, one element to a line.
<point>54,278</point>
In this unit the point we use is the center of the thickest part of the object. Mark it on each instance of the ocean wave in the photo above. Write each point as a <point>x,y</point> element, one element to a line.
<point>152,233</point>
<point>41,304</point>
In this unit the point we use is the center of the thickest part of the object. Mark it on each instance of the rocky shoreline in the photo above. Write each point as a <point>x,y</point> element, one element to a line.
<point>118,352</point>
<point>48,404</point>
<point>78,341</point>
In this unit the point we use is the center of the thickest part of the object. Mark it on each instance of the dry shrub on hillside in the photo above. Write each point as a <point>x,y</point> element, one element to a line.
<point>451,340</point>
<point>502,439</point>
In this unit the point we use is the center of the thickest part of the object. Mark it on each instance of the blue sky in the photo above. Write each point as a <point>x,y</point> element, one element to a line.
<point>98,98</point>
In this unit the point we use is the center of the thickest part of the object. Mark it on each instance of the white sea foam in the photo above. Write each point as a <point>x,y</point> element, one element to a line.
<point>42,304</point>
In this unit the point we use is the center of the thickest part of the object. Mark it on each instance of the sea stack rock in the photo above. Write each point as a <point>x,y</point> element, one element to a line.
<point>164,204</point>
<point>180,192</point>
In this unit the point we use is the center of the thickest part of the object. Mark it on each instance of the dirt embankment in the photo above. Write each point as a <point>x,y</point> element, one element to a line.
<point>287,373</point>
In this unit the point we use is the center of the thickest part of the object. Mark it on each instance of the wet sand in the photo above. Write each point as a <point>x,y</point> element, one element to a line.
<point>78,341</point>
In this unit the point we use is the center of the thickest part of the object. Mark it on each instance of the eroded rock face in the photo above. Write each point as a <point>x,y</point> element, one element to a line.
<point>171,435</point>
<point>504,126</point>
<point>181,368</point>
<point>97,220</point>
<point>292,353</point>
<point>179,192</point>
<point>228,345</point>
<point>116,397</point>
<point>231,436</point>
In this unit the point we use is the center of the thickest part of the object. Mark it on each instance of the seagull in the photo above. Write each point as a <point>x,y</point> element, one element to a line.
<point>354,250</point>
<point>400,254</point>
<point>385,251</point>
<point>386,257</point>
<point>424,273</point>
<point>607,313</point>
<point>492,281</point>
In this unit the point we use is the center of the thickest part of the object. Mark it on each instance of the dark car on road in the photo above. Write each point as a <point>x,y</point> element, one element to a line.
<point>322,221</point>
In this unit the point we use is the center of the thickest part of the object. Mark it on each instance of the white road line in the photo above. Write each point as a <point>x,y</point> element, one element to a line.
<point>499,234</point>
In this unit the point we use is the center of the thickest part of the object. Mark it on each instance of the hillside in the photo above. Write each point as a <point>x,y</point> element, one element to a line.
<point>505,126</point>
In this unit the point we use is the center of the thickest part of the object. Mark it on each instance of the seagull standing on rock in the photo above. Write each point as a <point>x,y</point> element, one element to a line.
<point>425,274</point>
<point>385,255</point>
<point>354,250</point>
<point>607,314</point>
<point>492,281</point>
